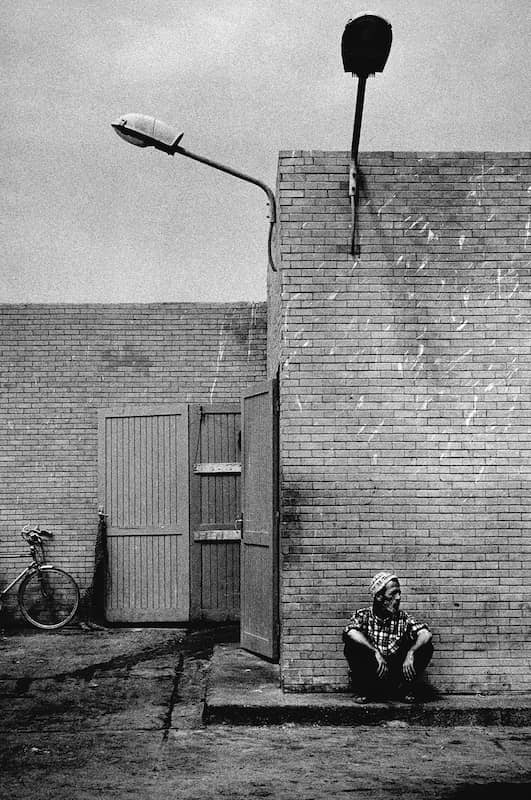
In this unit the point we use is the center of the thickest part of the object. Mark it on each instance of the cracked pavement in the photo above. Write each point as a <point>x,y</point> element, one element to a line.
<point>117,713</point>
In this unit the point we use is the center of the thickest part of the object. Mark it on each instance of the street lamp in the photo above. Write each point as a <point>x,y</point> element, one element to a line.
<point>145,131</point>
<point>365,47</point>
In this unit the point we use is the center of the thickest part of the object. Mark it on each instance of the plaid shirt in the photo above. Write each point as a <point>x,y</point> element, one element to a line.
<point>387,634</point>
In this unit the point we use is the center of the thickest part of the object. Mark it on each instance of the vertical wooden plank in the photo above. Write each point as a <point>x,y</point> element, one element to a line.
<point>195,513</point>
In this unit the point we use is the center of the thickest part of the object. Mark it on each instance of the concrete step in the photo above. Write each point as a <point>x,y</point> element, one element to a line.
<point>243,689</point>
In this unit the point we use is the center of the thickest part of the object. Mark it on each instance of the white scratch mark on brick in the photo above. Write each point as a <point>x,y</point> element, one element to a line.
<point>443,284</point>
<point>332,351</point>
<point>361,430</point>
<point>431,235</point>
<point>251,327</point>
<point>473,412</point>
<point>399,260</point>
<point>515,289</point>
<point>414,224</point>
<point>212,389</point>
<point>288,308</point>
<point>387,202</point>
<point>221,354</point>
<point>332,296</point>
<point>375,458</point>
<point>298,401</point>
<point>444,454</point>
<point>360,401</point>
<point>462,326</point>
<point>453,364</point>
<point>376,431</point>
<point>466,298</point>
<point>306,343</point>
<point>462,240</point>
<point>422,266</point>
<point>480,473</point>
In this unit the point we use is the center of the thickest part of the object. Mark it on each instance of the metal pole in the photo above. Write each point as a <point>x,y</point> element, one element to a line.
<point>362,81</point>
<point>353,175</point>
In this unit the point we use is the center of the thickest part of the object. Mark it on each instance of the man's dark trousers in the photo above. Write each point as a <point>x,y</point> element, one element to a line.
<point>363,668</point>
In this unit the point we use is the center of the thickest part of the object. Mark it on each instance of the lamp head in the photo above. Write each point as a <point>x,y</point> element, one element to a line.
<point>144,131</point>
<point>365,45</point>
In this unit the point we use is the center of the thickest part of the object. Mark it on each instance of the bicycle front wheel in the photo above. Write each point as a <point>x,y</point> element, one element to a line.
<point>48,598</point>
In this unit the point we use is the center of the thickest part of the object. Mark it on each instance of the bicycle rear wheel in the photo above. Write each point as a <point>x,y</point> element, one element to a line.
<point>48,598</point>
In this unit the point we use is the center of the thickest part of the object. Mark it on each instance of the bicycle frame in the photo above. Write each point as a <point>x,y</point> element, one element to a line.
<point>30,568</point>
<point>35,566</point>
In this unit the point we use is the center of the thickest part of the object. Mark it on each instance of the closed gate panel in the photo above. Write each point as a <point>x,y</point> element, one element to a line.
<point>215,505</point>
<point>144,489</point>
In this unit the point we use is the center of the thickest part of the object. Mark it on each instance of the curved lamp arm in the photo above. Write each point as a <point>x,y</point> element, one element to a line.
<point>244,177</point>
<point>142,130</point>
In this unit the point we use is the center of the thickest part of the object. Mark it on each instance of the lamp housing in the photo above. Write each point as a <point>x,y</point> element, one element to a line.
<point>365,45</point>
<point>145,131</point>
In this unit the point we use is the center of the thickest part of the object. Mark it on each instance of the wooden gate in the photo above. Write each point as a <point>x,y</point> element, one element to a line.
<point>215,468</point>
<point>143,474</point>
<point>259,561</point>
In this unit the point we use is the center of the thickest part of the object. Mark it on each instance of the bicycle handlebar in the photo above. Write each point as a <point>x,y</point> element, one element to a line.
<point>29,534</point>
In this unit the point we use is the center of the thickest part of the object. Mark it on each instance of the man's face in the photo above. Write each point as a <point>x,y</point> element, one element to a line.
<point>390,598</point>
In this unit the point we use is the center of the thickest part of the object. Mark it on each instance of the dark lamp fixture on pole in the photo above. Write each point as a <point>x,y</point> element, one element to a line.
<point>145,131</point>
<point>365,47</point>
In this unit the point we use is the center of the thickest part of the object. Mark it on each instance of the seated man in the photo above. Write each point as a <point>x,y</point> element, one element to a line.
<point>385,648</point>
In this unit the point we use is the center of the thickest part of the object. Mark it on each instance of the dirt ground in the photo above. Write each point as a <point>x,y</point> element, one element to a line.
<point>117,714</point>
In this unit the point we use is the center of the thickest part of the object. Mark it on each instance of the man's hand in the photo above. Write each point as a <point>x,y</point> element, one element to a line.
<point>408,668</point>
<point>382,665</point>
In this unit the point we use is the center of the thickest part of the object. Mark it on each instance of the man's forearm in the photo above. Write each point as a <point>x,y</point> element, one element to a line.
<point>423,637</point>
<point>360,638</point>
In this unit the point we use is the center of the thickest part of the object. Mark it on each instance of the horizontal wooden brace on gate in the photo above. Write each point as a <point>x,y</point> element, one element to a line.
<point>217,467</point>
<point>217,536</point>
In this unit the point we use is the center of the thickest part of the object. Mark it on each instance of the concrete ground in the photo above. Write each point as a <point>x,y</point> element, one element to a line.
<point>119,713</point>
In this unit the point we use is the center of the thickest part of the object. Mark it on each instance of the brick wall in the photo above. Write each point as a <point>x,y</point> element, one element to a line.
<point>60,364</point>
<point>406,408</point>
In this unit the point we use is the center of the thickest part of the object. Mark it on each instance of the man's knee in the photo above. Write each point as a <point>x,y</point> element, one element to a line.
<point>423,656</point>
<point>360,659</point>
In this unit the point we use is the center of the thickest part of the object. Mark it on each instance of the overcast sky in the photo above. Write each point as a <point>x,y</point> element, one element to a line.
<point>88,218</point>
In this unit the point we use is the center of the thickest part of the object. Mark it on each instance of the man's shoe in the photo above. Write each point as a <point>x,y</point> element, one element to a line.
<point>406,697</point>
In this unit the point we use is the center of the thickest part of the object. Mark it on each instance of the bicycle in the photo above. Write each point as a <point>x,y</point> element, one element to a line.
<point>48,597</point>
